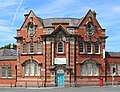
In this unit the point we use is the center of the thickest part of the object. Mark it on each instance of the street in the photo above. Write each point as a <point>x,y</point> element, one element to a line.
<point>72,89</point>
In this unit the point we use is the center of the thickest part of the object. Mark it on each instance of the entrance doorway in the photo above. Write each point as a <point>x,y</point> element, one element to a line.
<point>60,77</point>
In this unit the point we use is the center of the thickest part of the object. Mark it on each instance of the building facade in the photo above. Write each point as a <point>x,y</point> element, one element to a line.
<point>8,64</point>
<point>64,52</point>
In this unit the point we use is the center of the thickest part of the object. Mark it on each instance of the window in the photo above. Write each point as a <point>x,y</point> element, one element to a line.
<point>24,48</point>
<point>3,72</point>
<point>81,47</point>
<point>31,47</point>
<point>9,71</point>
<point>89,69</point>
<point>60,47</point>
<point>6,72</point>
<point>26,69</point>
<point>31,68</point>
<point>89,48</point>
<point>97,48</point>
<point>39,47</point>
<point>112,67</point>
<point>119,69</point>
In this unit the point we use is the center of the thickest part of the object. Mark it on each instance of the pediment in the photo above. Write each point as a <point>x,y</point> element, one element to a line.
<point>60,30</point>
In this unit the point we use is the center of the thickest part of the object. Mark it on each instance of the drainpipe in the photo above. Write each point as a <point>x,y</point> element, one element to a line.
<point>105,72</point>
<point>75,62</point>
<point>16,75</point>
<point>69,62</point>
<point>45,63</point>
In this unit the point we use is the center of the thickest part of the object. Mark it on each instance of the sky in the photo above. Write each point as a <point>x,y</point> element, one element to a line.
<point>108,15</point>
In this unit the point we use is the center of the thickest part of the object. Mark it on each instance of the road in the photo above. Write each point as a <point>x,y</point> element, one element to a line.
<point>74,89</point>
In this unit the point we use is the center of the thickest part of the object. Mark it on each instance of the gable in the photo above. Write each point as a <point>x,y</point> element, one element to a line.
<point>90,16</point>
<point>60,28</point>
<point>36,20</point>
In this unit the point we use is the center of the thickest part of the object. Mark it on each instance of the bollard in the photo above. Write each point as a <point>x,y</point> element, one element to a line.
<point>101,82</point>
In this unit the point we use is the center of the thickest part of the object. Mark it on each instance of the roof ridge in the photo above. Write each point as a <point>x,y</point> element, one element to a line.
<point>62,18</point>
<point>112,52</point>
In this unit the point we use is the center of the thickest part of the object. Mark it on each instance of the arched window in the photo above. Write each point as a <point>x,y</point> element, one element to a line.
<point>97,48</point>
<point>31,68</point>
<point>60,46</point>
<point>81,47</point>
<point>4,72</point>
<point>31,47</point>
<point>89,48</point>
<point>24,48</point>
<point>9,71</point>
<point>89,68</point>
<point>39,47</point>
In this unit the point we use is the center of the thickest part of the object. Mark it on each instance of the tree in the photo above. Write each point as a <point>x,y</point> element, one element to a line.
<point>9,46</point>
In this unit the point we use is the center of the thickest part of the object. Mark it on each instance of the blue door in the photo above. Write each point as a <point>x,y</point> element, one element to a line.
<point>60,78</point>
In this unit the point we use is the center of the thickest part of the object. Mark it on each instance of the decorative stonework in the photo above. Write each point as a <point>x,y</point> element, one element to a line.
<point>31,28</point>
<point>90,28</point>
<point>60,37</point>
<point>49,30</point>
<point>71,30</point>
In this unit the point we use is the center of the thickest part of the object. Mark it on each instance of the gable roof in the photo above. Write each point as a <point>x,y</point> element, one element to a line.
<point>72,21</point>
<point>112,54</point>
<point>28,15</point>
<point>8,54</point>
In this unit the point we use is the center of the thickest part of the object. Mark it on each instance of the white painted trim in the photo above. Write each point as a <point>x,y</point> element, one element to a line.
<point>62,47</point>
<point>22,48</point>
<point>37,48</point>
<point>99,49</point>
<point>91,48</point>
<point>29,48</point>
<point>83,48</point>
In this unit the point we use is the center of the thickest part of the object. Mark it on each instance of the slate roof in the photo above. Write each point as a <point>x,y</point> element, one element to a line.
<point>74,22</point>
<point>8,54</point>
<point>112,54</point>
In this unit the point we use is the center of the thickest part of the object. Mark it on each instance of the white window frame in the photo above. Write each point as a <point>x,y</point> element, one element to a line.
<point>30,47</point>
<point>93,66</point>
<point>5,72</point>
<point>36,68</point>
<point>91,48</point>
<point>119,69</point>
<point>24,48</point>
<point>98,48</point>
<point>83,47</point>
<point>111,69</point>
<point>62,47</point>
<point>39,48</point>
<point>26,74</point>
<point>10,71</point>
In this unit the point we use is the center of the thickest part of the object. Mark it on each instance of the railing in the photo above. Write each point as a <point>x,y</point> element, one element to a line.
<point>41,84</point>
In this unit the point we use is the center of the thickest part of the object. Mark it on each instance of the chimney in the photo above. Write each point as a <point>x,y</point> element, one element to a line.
<point>11,46</point>
<point>25,16</point>
<point>94,13</point>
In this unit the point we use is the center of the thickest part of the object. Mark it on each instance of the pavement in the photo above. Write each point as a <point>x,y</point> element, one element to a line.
<point>64,89</point>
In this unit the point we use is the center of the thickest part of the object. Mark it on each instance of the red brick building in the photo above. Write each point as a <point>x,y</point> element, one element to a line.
<point>64,51</point>
<point>8,64</point>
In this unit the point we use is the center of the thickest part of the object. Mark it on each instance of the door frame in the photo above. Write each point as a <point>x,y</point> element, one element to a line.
<point>60,72</point>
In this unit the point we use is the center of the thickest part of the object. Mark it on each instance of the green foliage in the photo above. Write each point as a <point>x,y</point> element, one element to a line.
<point>12,46</point>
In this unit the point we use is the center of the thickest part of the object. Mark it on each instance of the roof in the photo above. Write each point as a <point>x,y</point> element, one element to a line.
<point>74,22</point>
<point>8,54</point>
<point>112,54</point>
